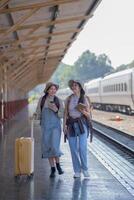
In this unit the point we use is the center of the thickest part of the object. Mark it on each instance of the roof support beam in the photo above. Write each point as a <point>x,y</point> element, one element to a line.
<point>55,11</point>
<point>13,49</point>
<point>47,23</point>
<point>36,5</point>
<point>53,34</point>
<point>23,19</point>
<point>25,70</point>
<point>3,3</point>
<point>26,62</point>
<point>27,81</point>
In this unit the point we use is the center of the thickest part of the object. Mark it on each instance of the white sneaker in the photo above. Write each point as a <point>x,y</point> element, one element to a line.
<point>77,175</point>
<point>86,174</point>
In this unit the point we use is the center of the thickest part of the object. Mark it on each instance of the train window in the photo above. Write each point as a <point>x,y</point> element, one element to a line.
<point>116,87</point>
<point>122,87</point>
<point>105,89</point>
<point>112,88</point>
<point>119,87</point>
<point>125,87</point>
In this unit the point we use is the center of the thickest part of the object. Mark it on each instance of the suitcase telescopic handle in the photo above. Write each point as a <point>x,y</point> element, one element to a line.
<point>32,127</point>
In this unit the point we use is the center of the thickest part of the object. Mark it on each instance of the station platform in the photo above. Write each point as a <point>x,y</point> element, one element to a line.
<point>102,185</point>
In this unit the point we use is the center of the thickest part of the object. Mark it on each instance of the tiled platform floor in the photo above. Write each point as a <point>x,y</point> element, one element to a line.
<point>101,185</point>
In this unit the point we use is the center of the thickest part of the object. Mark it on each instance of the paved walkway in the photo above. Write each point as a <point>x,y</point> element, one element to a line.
<point>101,185</point>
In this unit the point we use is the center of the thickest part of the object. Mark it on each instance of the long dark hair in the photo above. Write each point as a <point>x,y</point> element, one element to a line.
<point>43,100</point>
<point>82,95</point>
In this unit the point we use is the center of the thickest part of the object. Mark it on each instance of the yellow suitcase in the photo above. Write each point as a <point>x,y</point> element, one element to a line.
<point>24,155</point>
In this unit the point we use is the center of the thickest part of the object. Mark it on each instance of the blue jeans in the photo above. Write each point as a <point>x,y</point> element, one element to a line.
<point>78,148</point>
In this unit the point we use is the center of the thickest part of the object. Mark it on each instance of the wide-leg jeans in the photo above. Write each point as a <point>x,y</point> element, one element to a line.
<point>78,148</point>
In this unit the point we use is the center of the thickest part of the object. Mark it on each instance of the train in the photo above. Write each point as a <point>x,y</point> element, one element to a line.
<point>114,92</point>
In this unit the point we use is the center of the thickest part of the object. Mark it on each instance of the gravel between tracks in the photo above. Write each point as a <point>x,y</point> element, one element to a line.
<point>119,121</point>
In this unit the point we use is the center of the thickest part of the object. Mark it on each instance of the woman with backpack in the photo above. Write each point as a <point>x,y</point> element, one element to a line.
<point>50,112</point>
<point>77,127</point>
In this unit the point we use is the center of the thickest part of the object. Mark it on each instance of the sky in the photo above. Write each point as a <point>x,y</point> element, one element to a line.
<point>109,31</point>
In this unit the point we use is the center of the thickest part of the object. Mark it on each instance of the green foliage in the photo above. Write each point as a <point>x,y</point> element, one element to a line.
<point>62,74</point>
<point>87,67</point>
<point>123,67</point>
<point>120,68</point>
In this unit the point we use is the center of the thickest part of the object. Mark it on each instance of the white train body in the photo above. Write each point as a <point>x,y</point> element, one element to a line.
<point>117,89</point>
<point>114,92</point>
<point>93,88</point>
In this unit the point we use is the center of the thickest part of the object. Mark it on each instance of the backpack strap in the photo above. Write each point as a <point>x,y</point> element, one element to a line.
<point>56,101</point>
<point>67,104</point>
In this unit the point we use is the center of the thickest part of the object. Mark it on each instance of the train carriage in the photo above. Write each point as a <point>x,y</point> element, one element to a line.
<point>92,89</point>
<point>114,92</point>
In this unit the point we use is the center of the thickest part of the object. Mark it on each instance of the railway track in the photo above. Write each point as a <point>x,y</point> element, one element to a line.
<point>117,137</point>
<point>114,155</point>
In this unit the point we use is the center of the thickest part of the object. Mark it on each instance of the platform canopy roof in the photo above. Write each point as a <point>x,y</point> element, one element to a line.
<point>36,34</point>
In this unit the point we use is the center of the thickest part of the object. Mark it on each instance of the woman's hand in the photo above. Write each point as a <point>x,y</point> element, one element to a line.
<point>53,107</point>
<point>85,112</point>
<point>65,130</point>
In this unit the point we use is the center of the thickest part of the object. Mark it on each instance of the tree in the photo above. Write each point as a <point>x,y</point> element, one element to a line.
<point>87,67</point>
<point>62,74</point>
<point>123,67</point>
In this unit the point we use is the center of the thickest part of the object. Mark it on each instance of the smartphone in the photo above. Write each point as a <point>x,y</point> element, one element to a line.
<point>50,104</point>
<point>51,101</point>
